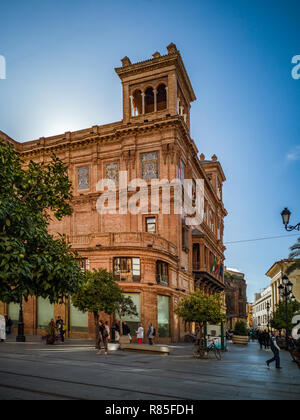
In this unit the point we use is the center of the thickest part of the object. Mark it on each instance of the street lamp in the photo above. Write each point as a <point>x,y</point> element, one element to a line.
<point>285,292</point>
<point>286,214</point>
<point>268,311</point>
<point>21,337</point>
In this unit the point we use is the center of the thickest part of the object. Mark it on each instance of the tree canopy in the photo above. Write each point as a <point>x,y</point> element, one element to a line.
<point>199,307</point>
<point>278,319</point>
<point>32,262</point>
<point>98,292</point>
<point>294,254</point>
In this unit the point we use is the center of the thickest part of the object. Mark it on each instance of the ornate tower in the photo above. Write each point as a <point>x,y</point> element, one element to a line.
<point>156,88</point>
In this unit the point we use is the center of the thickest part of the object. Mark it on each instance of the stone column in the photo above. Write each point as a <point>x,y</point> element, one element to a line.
<point>178,106</point>
<point>131,106</point>
<point>143,103</point>
<point>167,97</point>
<point>202,257</point>
<point>155,99</point>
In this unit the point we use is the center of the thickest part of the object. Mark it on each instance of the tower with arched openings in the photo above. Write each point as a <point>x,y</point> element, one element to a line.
<point>156,88</point>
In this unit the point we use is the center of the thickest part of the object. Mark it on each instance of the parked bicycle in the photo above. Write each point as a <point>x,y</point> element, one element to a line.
<point>208,346</point>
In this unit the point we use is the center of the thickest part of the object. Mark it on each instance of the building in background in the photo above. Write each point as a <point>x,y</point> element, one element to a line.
<point>261,313</point>
<point>276,272</point>
<point>156,258</point>
<point>250,315</point>
<point>236,297</point>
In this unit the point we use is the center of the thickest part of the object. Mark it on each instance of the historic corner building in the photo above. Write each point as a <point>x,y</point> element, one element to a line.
<point>156,258</point>
<point>235,297</point>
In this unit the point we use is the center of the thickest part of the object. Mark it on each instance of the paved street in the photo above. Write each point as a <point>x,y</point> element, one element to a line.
<point>74,371</point>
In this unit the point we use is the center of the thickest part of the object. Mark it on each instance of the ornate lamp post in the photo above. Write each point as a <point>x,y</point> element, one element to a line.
<point>268,311</point>
<point>285,291</point>
<point>286,214</point>
<point>21,337</point>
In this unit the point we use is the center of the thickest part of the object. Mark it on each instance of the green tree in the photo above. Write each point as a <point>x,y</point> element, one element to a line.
<point>201,308</point>
<point>240,328</point>
<point>98,292</point>
<point>295,254</point>
<point>278,319</point>
<point>126,307</point>
<point>32,262</point>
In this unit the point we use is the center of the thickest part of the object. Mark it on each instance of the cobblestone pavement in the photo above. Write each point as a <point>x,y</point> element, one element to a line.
<point>74,371</point>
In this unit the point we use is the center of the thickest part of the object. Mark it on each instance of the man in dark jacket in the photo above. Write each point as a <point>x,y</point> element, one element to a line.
<point>260,339</point>
<point>266,339</point>
<point>126,330</point>
<point>275,349</point>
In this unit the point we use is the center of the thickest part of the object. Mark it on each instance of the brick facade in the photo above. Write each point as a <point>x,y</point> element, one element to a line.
<point>236,298</point>
<point>154,135</point>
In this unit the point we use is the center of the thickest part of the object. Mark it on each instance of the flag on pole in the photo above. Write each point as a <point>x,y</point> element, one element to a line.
<point>221,270</point>
<point>214,266</point>
<point>217,267</point>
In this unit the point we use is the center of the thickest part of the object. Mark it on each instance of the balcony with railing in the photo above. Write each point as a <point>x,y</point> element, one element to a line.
<point>124,240</point>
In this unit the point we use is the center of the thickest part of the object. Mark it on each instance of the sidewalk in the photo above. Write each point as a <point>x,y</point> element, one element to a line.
<point>37,339</point>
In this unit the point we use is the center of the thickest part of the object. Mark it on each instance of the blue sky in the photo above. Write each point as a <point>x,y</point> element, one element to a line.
<point>60,76</point>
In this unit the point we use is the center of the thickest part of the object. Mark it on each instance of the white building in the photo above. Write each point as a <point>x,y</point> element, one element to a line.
<point>261,315</point>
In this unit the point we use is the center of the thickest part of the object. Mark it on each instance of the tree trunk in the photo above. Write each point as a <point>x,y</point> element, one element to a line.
<point>201,349</point>
<point>96,319</point>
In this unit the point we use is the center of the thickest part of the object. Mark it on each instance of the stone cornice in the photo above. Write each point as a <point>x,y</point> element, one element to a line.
<point>173,59</point>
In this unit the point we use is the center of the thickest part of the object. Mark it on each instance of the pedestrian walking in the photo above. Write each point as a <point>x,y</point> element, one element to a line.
<point>276,350</point>
<point>2,329</point>
<point>103,336</point>
<point>60,328</point>
<point>260,339</point>
<point>107,330</point>
<point>126,330</point>
<point>266,339</point>
<point>151,334</point>
<point>8,325</point>
<point>140,334</point>
<point>117,330</point>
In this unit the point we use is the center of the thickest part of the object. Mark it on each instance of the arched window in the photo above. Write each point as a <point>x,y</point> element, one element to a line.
<point>137,107</point>
<point>161,97</point>
<point>149,100</point>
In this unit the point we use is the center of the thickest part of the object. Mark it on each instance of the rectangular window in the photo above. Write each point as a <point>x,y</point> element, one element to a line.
<point>112,171</point>
<point>162,273</point>
<point>163,311</point>
<point>127,269</point>
<point>83,263</point>
<point>149,165</point>
<point>185,236</point>
<point>182,172</point>
<point>133,321</point>
<point>83,178</point>
<point>151,224</point>
<point>13,312</point>
<point>45,312</point>
<point>79,321</point>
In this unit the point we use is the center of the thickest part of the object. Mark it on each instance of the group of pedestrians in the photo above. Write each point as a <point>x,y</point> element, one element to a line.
<point>56,330</point>
<point>105,334</point>
<point>263,338</point>
<point>5,327</point>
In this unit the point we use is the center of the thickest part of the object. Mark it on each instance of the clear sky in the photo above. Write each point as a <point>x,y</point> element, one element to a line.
<point>61,56</point>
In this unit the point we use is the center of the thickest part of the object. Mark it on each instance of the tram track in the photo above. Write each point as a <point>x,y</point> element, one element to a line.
<point>95,386</point>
